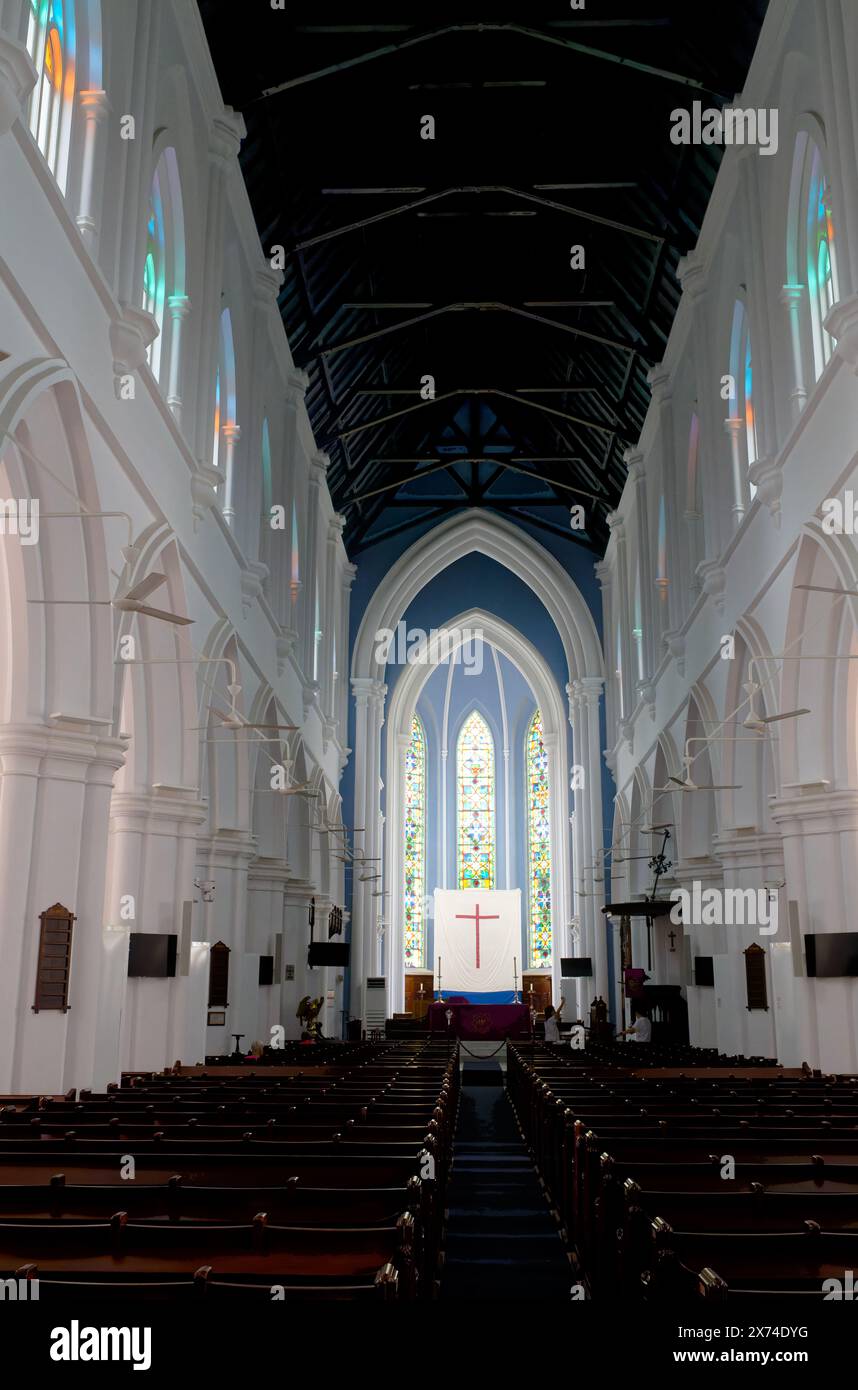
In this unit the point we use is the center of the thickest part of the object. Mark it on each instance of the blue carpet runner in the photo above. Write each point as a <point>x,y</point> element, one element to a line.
<point>502,1241</point>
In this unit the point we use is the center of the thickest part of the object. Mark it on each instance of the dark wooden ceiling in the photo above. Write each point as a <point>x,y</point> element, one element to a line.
<point>450,258</point>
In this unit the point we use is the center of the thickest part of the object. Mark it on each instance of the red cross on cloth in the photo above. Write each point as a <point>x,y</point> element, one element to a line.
<point>476,919</point>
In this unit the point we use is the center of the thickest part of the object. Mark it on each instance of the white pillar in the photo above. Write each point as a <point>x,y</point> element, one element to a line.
<point>791,298</point>
<point>52,782</point>
<point>179,306</point>
<point>228,130</point>
<point>733,427</point>
<point>95,107</point>
<point>230,434</point>
<point>369,717</point>
<point>636,464</point>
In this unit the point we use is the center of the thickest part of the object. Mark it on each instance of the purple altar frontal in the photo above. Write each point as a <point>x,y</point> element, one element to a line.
<point>493,1022</point>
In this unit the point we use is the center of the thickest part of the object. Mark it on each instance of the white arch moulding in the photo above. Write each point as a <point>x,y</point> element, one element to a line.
<point>533,667</point>
<point>475,532</point>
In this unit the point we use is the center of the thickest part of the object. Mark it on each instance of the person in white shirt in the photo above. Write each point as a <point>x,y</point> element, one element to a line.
<point>640,1030</point>
<point>552,1022</point>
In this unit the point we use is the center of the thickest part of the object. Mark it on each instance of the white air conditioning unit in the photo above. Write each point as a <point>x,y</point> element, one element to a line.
<point>375,1003</point>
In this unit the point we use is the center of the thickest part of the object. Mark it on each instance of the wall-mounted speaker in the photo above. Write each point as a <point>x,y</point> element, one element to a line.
<point>185,939</point>
<point>798,962</point>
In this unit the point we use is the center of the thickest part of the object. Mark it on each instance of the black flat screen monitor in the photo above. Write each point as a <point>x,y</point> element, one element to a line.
<point>152,954</point>
<point>831,953</point>
<point>329,953</point>
<point>575,967</point>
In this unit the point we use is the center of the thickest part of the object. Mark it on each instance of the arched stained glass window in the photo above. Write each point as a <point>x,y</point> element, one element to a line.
<point>538,845</point>
<point>50,43</point>
<point>475,801</point>
<point>415,848</point>
<point>741,402</point>
<point>154,272</point>
<point>821,259</point>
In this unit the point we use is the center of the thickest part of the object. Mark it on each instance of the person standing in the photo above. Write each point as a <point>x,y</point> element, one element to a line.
<point>552,1022</point>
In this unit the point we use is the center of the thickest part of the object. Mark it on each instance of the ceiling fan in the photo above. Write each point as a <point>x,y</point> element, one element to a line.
<point>234,720</point>
<point>685,784</point>
<point>131,600</point>
<point>756,721</point>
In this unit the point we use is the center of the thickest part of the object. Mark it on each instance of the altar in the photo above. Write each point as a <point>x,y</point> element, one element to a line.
<point>471,1022</point>
<point>478,944</point>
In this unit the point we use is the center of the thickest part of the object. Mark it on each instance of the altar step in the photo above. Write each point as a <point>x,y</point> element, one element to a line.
<point>501,1241</point>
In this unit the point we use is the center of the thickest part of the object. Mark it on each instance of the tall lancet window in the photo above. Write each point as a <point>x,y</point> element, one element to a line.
<point>51,45</point>
<point>475,788</point>
<point>821,262</point>
<point>415,848</point>
<point>538,845</point>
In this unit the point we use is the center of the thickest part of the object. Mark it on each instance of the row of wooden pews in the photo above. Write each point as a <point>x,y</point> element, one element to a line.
<point>725,1184</point>
<point>324,1181</point>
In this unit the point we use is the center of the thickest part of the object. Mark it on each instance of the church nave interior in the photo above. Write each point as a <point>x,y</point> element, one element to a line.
<point>428,617</point>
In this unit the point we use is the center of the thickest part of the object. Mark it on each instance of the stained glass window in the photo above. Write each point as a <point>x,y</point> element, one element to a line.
<point>475,787</point>
<point>538,845</point>
<point>415,848</point>
<point>50,43</point>
<point>821,261</point>
<point>154,270</point>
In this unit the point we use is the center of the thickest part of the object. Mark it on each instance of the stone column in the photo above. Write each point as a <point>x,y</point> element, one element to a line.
<point>331,623</point>
<point>313,577</point>
<point>589,689</point>
<point>296,941</point>
<point>136,163</point>
<point>227,132</point>
<point>17,73</point>
<point>95,107</point>
<point>286,589</point>
<point>179,307</point>
<point>622,611</point>
<point>669,587</point>
<point>369,717</point>
<point>791,298</point>
<point>56,788</point>
<point>230,434</point>
<point>838,106</point>
<point>733,427</point>
<point>636,464</point>
<point>693,278</point>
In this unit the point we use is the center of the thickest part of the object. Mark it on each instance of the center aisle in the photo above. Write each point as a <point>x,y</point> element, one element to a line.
<point>502,1241</point>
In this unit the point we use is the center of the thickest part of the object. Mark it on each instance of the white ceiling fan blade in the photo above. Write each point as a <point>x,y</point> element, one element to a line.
<point>145,587</point>
<point>290,727</point>
<point>824,589</point>
<point>680,782</point>
<point>134,607</point>
<point>790,714</point>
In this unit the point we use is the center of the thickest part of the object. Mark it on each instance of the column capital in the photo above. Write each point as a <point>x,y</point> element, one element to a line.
<point>368,691</point>
<point>348,576</point>
<point>635,461</point>
<point>615,524</point>
<point>179,306</point>
<point>319,467</point>
<point>18,77</point>
<point>589,689</point>
<point>660,380</point>
<point>841,323</point>
<point>692,273</point>
<point>791,295</point>
<point>94,103</point>
<point>603,573</point>
<point>226,134</point>
<point>296,386</point>
<point>266,286</point>
<point>336,526</point>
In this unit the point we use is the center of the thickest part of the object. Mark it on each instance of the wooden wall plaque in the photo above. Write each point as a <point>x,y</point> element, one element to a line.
<point>53,968</point>
<point>218,976</point>
<point>755,977</point>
